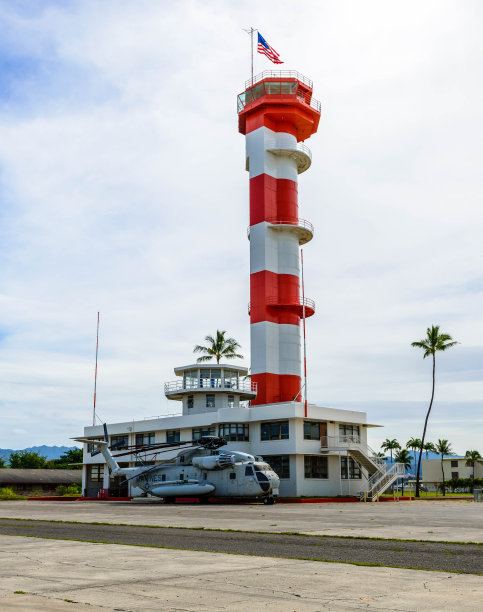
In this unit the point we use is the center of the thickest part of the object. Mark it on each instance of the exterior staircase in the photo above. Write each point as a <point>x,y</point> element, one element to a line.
<point>380,477</point>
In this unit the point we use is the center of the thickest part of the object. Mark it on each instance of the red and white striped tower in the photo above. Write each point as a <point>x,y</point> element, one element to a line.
<point>275,113</point>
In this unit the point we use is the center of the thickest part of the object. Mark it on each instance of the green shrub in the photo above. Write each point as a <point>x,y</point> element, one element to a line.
<point>72,489</point>
<point>8,493</point>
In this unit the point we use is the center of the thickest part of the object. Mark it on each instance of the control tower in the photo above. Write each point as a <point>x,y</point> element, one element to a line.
<point>276,113</point>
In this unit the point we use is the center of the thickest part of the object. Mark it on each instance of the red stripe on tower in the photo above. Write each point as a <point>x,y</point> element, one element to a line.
<point>275,114</point>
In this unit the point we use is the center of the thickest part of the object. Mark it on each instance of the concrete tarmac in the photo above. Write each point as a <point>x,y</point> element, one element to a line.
<point>464,558</point>
<point>453,521</point>
<point>62,575</point>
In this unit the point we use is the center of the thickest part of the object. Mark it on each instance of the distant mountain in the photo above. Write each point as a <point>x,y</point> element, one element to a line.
<point>50,452</point>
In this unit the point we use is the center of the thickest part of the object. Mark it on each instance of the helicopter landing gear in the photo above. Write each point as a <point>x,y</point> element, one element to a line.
<point>169,500</point>
<point>204,500</point>
<point>269,501</point>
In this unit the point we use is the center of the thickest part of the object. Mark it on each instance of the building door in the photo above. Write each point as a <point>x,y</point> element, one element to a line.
<point>323,433</point>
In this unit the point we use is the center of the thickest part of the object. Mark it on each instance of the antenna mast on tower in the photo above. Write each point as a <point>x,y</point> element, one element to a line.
<point>95,375</point>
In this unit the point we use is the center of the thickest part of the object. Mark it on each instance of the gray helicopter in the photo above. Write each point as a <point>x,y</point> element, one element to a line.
<point>199,470</point>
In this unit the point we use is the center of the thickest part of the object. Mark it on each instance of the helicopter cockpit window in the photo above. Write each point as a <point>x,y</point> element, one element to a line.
<point>249,470</point>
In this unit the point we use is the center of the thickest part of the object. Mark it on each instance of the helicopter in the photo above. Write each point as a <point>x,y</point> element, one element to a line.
<point>199,470</point>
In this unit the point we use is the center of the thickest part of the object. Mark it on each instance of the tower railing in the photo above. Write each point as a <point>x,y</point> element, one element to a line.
<point>292,301</point>
<point>288,302</point>
<point>264,89</point>
<point>279,74</point>
<point>210,384</point>
<point>290,221</point>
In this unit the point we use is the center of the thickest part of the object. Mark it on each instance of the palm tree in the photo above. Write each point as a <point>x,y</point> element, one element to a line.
<point>429,446</point>
<point>433,342</point>
<point>414,444</point>
<point>473,457</point>
<point>390,445</point>
<point>443,447</point>
<point>219,347</point>
<point>403,456</point>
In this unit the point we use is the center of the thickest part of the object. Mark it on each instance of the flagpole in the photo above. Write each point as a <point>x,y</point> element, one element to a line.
<point>251,36</point>
<point>251,31</point>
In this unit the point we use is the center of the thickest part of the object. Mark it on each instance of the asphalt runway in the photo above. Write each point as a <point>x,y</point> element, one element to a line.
<point>450,557</point>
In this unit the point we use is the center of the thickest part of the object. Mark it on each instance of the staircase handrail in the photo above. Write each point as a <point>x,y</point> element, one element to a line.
<point>396,469</point>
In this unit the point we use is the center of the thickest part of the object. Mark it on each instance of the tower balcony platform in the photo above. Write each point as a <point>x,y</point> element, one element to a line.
<point>177,389</point>
<point>296,305</point>
<point>303,228</point>
<point>284,95</point>
<point>298,152</point>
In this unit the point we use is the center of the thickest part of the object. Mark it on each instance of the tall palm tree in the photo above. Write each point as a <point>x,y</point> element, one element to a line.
<point>390,445</point>
<point>473,457</point>
<point>429,446</point>
<point>443,447</point>
<point>403,456</point>
<point>433,343</point>
<point>218,347</point>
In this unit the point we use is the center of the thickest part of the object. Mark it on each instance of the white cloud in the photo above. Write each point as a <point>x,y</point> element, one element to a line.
<point>122,190</point>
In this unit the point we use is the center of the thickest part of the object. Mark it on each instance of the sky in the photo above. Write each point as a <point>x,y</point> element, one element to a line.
<point>123,190</point>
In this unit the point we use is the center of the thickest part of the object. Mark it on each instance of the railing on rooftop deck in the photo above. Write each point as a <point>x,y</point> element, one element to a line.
<point>279,74</point>
<point>210,384</point>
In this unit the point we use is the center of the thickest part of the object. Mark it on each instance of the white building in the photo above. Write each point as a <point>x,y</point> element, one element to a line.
<point>323,454</point>
<point>454,467</point>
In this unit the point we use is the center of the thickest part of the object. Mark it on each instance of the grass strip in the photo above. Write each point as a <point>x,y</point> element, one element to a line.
<point>294,533</point>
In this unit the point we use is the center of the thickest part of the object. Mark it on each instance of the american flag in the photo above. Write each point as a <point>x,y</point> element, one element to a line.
<point>266,49</point>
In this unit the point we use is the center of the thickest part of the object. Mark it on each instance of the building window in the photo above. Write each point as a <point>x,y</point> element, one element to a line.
<point>349,469</point>
<point>119,442</point>
<point>280,464</point>
<point>274,430</point>
<point>172,435</point>
<point>91,447</point>
<point>316,467</point>
<point>311,430</point>
<point>191,401</point>
<point>454,463</point>
<point>210,400</point>
<point>143,439</point>
<point>210,377</point>
<point>191,379</point>
<point>349,431</point>
<point>230,379</point>
<point>231,401</point>
<point>454,475</point>
<point>202,432</point>
<point>96,473</point>
<point>234,432</point>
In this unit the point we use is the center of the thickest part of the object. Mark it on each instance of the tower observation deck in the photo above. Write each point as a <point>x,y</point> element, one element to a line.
<point>276,112</point>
